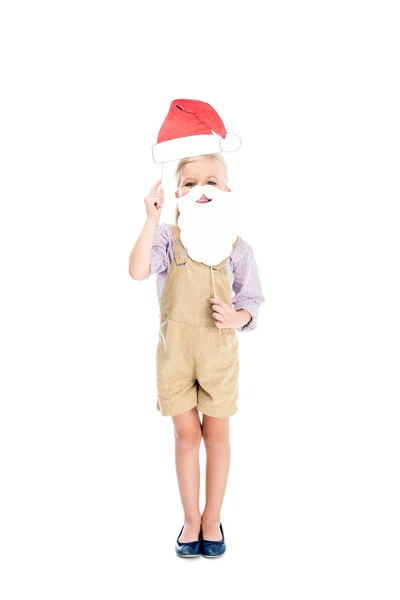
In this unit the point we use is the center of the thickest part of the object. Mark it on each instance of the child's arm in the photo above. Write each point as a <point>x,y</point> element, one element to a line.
<point>247,289</point>
<point>142,253</point>
<point>161,254</point>
<point>140,258</point>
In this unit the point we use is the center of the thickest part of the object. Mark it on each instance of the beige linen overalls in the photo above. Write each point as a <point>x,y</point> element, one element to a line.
<point>197,363</point>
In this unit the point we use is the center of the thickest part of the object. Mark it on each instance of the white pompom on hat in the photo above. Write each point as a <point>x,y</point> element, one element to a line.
<point>192,128</point>
<point>230,143</point>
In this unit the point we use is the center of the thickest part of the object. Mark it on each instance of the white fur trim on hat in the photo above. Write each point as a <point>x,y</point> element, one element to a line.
<point>183,147</point>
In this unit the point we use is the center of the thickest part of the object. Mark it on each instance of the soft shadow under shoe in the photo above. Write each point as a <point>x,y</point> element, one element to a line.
<point>187,549</point>
<point>212,549</point>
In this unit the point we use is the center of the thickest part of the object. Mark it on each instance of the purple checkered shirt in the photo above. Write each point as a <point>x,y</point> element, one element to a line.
<point>241,267</point>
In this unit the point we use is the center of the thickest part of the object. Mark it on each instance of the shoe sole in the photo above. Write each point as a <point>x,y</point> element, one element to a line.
<point>213,556</point>
<point>188,555</point>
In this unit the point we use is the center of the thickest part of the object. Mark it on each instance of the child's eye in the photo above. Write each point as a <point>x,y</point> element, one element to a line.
<point>191,183</point>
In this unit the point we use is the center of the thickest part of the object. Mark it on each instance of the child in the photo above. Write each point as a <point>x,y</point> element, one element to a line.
<point>197,353</point>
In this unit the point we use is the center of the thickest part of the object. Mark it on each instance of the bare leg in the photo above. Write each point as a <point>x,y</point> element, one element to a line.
<point>217,444</point>
<point>187,430</point>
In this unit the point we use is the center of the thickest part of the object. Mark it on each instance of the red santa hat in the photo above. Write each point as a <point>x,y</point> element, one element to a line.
<point>192,128</point>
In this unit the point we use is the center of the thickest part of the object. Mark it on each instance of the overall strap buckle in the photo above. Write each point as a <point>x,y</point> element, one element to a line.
<point>178,250</point>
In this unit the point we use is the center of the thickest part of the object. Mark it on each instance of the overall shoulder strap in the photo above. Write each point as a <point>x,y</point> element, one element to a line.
<point>179,254</point>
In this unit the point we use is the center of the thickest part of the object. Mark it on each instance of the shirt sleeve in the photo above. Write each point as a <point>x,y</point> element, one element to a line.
<point>159,253</point>
<point>247,289</point>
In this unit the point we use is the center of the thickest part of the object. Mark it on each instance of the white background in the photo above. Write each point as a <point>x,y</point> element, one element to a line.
<point>89,503</point>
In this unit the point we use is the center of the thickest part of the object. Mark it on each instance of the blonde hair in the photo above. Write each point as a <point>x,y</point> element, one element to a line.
<point>218,160</point>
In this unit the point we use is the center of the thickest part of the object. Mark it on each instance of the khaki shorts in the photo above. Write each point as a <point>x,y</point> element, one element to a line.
<point>197,366</point>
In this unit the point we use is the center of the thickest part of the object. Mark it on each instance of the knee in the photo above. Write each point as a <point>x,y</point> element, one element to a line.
<point>189,437</point>
<point>213,439</point>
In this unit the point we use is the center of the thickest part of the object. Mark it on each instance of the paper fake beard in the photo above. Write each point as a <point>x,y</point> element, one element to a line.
<point>208,229</point>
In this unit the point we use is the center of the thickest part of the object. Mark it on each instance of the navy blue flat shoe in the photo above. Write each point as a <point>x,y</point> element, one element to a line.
<point>187,549</point>
<point>212,549</point>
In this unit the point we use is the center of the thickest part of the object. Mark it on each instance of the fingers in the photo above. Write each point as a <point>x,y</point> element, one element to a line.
<point>219,304</point>
<point>219,317</point>
<point>155,197</point>
<point>218,309</point>
<point>155,186</point>
<point>159,202</point>
<point>220,313</point>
